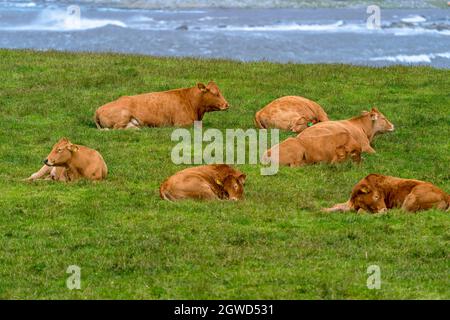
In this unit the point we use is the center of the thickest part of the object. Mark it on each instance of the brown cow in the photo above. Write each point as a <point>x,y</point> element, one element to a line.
<point>208,182</point>
<point>70,162</point>
<point>377,193</point>
<point>362,128</point>
<point>327,148</point>
<point>179,107</point>
<point>290,113</point>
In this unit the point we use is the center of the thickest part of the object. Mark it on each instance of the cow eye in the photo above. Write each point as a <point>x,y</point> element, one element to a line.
<point>59,150</point>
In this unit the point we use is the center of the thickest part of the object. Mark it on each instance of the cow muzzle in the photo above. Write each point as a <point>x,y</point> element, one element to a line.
<point>47,163</point>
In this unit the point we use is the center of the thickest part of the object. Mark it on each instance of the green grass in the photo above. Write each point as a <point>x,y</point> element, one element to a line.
<point>275,244</point>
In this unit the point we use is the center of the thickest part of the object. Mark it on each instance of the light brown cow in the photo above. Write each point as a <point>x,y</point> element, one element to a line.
<point>377,193</point>
<point>328,148</point>
<point>208,182</point>
<point>362,128</point>
<point>290,113</point>
<point>70,162</point>
<point>179,107</point>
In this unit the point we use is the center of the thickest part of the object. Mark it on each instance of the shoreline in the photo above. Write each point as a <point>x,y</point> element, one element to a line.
<point>249,4</point>
<point>219,60</point>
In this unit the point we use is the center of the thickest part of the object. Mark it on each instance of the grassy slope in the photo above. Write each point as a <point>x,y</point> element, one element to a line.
<point>275,244</point>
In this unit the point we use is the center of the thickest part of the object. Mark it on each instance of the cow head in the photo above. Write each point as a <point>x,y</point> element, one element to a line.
<point>301,123</point>
<point>61,153</point>
<point>380,123</point>
<point>366,197</point>
<point>233,186</point>
<point>212,98</point>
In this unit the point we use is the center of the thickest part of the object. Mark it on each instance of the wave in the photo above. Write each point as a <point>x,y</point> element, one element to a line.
<point>414,19</point>
<point>418,58</point>
<point>288,27</point>
<point>62,20</point>
<point>18,4</point>
<point>338,26</point>
<point>186,4</point>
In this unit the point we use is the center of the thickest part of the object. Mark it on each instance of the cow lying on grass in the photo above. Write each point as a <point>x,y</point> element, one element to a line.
<point>362,128</point>
<point>290,113</point>
<point>326,148</point>
<point>179,107</point>
<point>208,182</point>
<point>377,193</point>
<point>332,141</point>
<point>70,162</point>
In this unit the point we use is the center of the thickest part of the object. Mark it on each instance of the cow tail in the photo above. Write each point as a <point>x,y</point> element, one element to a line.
<point>97,121</point>
<point>258,124</point>
<point>164,194</point>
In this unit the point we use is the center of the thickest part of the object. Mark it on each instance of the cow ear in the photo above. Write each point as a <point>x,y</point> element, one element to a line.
<point>72,148</point>
<point>242,178</point>
<point>373,115</point>
<point>364,189</point>
<point>219,183</point>
<point>202,87</point>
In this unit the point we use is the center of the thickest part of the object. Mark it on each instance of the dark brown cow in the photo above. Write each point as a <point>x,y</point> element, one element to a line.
<point>377,193</point>
<point>290,113</point>
<point>180,107</point>
<point>208,182</point>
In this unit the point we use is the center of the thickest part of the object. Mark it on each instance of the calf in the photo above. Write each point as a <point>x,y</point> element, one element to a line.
<point>70,162</point>
<point>180,107</point>
<point>326,148</point>
<point>290,113</point>
<point>362,128</point>
<point>208,182</point>
<point>377,193</point>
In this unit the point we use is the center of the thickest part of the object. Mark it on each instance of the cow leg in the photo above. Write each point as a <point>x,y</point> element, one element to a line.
<point>355,155</point>
<point>45,170</point>
<point>133,124</point>
<point>422,198</point>
<point>340,207</point>
<point>121,118</point>
<point>205,192</point>
<point>59,174</point>
<point>367,148</point>
<point>340,154</point>
<point>410,204</point>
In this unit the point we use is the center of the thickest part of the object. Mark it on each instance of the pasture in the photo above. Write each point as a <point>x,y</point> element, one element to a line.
<point>275,244</point>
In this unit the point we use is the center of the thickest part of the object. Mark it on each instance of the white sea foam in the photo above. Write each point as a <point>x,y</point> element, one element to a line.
<point>338,26</point>
<point>417,58</point>
<point>61,20</point>
<point>289,27</point>
<point>414,19</point>
<point>18,4</point>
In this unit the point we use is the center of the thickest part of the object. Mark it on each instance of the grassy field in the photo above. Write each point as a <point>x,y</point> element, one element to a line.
<point>274,244</point>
